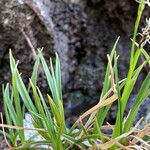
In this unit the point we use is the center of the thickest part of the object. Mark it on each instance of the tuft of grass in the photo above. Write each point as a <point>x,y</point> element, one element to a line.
<point>48,116</point>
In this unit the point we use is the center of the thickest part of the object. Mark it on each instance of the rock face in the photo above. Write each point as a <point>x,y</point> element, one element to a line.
<point>81,31</point>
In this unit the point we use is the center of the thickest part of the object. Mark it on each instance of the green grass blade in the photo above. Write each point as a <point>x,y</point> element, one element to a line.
<point>55,111</point>
<point>20,118</point>
<point>48,121</point>
<point>101,114</point>
<point>17,100</point>
<point>46,70</point>
<point>48,76</point>
<point>35,71</point>
<point>58,113</point>
<point>24,94</point>
<point>56,90</point>
<point>146,55</point>
<point>39,106</point>
<point>118,92</point>
<point>17,103</point>
<point>106,84</point>
<point>142,94</point>
<point>8,117</point>
<point>37,99</point>
<point>21,87</point>
<point>58,75</point>
<point>136,57</point>
<point>45,135</point>
<point>125,95</point>
<point>139,14</point>
<point>98,130</point>
<point>62,128</point>
<point>85,132</point>
<point>72,140</point>
<point>9,105</point>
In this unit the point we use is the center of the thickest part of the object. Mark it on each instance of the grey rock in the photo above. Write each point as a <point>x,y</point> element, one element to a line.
<point>82,32</point>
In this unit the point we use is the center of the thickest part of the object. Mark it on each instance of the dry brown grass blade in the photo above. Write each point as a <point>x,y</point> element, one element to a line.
<point>110,126</point>
<point>113,88</point>
<point>110,143</point>
<point>104,98</point>
<point>30,44</point>
<point>122,146</point>
<point>135,147</point>
<point>148,134</point>
<point>94,113</point>
<point>21,128</point>
<point>34,54</point>
<point>138,123</point>
<point>107,127</point>
<point>80,135</point>
<point>116,140</point>
<point>141,141</point>
<point>98,106</point>
<point>106,145</point>
<point>141,133</point>
<point>112,75</point>
<point>4,132</point>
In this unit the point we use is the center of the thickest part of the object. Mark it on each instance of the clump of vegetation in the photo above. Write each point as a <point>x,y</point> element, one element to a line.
<point>89,134</point>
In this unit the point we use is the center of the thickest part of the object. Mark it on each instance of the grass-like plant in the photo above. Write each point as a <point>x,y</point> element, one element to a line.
<point>49,118</point>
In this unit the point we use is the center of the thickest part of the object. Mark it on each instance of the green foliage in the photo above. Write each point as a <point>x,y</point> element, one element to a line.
<point>48,115</point>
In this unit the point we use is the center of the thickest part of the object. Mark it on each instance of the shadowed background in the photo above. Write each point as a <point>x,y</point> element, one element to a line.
<point>81,31</point>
